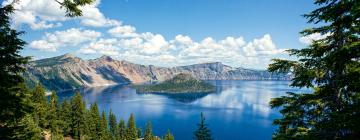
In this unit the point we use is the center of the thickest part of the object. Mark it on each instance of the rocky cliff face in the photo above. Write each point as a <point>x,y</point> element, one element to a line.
<point>69,72</point>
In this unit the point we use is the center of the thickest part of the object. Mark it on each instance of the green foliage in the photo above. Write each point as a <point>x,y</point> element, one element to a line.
<point>53,116</point>
<point>203,132</point>
<point>122,129</point>
<point>181,83</point>
<point>72,6</point>
<point>104,127</point>
<point>14,103</point>
<point>71,118</point>
<point>27,129</point>
<point>331,67</point>
<point>168,136</point>
<point>77,116</point>
<point>40,105</point>
<point>148,132</point>
<point>65,116</point>
<point>131,130</point>
<point>94,121</point>
<point>112,123</point>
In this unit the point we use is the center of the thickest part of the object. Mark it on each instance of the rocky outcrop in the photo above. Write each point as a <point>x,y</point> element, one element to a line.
<point>69,72</point>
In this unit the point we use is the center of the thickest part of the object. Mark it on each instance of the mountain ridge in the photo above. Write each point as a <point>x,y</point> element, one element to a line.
<point>70,72</point>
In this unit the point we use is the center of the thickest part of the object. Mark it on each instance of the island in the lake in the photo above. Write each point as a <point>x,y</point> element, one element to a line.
<point>180,83</point>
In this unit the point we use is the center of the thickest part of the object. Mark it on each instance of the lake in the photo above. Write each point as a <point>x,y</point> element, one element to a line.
<point>238,110</point>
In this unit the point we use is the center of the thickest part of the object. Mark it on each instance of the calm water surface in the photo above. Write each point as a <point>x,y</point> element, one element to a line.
<point>238,110</point>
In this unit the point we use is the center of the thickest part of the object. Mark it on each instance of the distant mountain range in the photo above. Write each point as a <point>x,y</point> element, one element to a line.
<point>67,72</point>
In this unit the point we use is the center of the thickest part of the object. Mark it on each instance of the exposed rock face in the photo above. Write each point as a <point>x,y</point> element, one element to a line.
<point>69,72</point>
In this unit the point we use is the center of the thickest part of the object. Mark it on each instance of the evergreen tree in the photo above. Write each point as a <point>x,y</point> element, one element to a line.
<point>122,129</point>
<point>27,129</point>
<point>40,105</point>
<point>78,116</point>
<point>203,132</point>
<point>131,130</point>
<point>94,121</point>
<point>112,123</point>
<point>331,67</point>
<point>168,136</point>
<point>53,117</point>
<point>65,117</point>
<point>14,103</point>
<point>104,127</point>
<point>139,132</point>
<point>148,132</point>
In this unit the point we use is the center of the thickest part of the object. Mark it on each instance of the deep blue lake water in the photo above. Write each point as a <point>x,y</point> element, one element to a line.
<point>238,110</point>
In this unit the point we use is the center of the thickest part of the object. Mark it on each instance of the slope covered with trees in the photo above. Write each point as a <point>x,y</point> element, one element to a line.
<point>331,67</point>
<point>71,119</point>
<point>181,83</point>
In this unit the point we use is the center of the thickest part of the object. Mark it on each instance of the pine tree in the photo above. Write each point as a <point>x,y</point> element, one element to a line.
<point>14,103</point>
<point>131,131</point>
<point>148,132</point>
<point>203,132</point>
<point>27,129</point>
<point>329,66</point>
<point>168,136</point>
<point>112,123</point>
<point>65,117</point>
<point>94,121</point>
<point>104,127</point>
<point>53,117</point>
<point>122,129</point>
<point>139,132</point>
<point>40,105</point>
<point>78,116</point>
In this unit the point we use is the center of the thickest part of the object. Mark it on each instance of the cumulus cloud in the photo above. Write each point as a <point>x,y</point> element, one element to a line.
<point>307,40</point>
<point>44,14</point>
<point>123,31</point>
<point>103,46</point>
<point>70,37</point>
<point>150,48</point>
<point>144,48</point>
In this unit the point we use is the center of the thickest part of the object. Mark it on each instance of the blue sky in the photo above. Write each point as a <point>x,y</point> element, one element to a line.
<point>240,33</point>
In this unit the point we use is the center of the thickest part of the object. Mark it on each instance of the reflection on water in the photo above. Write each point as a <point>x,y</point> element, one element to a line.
<point>236,107</point>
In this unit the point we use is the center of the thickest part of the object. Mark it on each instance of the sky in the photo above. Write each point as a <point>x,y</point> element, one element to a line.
<point>238,33</point>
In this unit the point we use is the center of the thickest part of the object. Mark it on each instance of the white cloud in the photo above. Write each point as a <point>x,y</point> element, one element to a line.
<point>103,46</point>
<point>43,45</point>
<point>70,37</point>
<point>149,48</point>
<point>262,46</point>
<point>93,17</point>
<point>123,31</point>
<point>44,14</point>
<point>307,40</point>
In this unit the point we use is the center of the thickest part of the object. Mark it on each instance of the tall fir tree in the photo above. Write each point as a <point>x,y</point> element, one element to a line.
<point>78,116</point>
<point>104,127</point>
<point>53,118</point>
<point>331,67</point>
<point>203,132</point>
<point>122,129</point>
<point>131,130</point>
<point>65,117</point>
<point>94,121</point>
<point>169,136</point>
<point>40,105</point>
<point>14,102</point>
<point>28,129</point>
<point>112,124</point>
<point>148,135</point>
